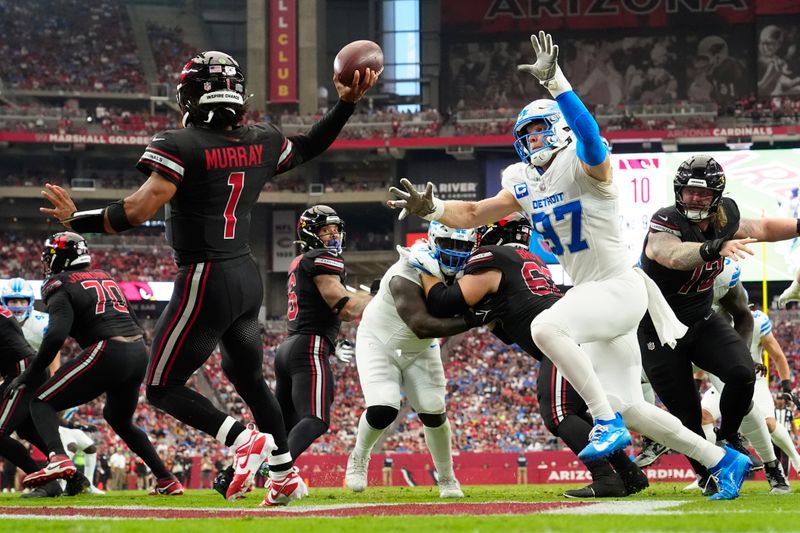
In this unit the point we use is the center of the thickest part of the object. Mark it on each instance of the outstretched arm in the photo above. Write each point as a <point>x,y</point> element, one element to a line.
<point>669,251</point>
<point>769,229</point>
<point>334,293</point>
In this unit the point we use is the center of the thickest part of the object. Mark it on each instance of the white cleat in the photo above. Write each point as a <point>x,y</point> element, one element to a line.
<point>450,488</point>
<point>791,294</point>
<point>355,477</point>
<point>95,490</point>
<point>694,485</point>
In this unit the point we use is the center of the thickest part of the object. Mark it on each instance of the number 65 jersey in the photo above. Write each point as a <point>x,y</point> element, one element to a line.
<point>689,292</point>
<point>577,216</point>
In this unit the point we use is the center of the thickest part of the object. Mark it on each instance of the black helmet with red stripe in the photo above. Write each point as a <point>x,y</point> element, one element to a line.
<point>514,229</point>
<point>64,251</point>
<point>312,220</point>
<point>211,91</point>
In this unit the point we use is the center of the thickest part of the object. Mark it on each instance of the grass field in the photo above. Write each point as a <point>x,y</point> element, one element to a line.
<point>663,507</point>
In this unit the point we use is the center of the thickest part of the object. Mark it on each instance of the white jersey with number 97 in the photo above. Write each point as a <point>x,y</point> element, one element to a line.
<point>577,215</point>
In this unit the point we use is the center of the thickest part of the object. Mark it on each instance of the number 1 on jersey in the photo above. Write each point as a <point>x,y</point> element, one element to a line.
<point>236,181</point>
<point>541,223</point>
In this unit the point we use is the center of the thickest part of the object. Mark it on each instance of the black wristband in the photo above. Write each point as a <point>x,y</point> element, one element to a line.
<point>709,250</point>
<point>338,306</point>
<point>786,385</point>
<point>798,226</point>
<point>117,218</point>
<point>87,221</point>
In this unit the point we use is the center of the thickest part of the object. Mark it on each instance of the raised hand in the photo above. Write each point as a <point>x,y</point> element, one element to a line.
<point>411,201</point>
<point>544,69</point>
<point>358,88</point>
<point>63,206</point>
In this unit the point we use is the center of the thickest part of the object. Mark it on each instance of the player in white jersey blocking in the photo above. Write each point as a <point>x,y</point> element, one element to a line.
<point>17,296</point>
<point>397,353</point>
<point>75,439</point>
<point>565,185</point>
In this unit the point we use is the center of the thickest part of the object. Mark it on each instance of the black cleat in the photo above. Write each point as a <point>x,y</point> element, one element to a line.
<point>610,486</point>
<point>51,489</point>
<point>634,479</point>
<point>735,442</point>
<point>776,478</point>
<point>223,480</point>
<point>651,451</point>
<point>76,484</point>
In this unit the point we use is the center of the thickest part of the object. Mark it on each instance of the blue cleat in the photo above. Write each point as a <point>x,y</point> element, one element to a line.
<point>606,437</point>
<point>730,473</point>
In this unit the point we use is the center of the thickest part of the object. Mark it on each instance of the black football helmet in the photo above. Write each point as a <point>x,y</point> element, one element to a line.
<point>704,172</point>
<point>211,82</point>
<point>514,229</point>
<point>311,221</point>
<point>64,251</point>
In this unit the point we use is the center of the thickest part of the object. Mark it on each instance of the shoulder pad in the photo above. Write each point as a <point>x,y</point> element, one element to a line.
<point>514,180</point>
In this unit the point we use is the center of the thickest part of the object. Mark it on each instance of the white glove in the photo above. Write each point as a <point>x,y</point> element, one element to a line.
<point>345,350</point>
<point>546,68</point>
<point>420,257</point>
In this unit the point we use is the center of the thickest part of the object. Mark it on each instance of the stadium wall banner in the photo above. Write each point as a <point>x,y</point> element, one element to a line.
<point>283,237</point>
<point>495,16</point>
<point>135,291</point>
<point>762,182</point>
<point>282,51</point>
<point>481,469</point>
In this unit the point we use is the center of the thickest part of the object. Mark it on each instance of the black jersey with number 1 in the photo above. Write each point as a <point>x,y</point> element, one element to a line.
<point>308,312</point>
<point>526,289</point>
<point>688,292</point>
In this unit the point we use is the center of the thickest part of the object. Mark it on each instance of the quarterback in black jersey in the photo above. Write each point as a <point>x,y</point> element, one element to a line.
<point>318,303</point>
<point>683,253</point>
<point>507,286</point>
<point>88,305</point>
<point>209,176</point>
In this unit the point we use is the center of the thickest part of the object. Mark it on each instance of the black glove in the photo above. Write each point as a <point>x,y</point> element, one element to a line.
<point>28,378</point>
<point>88,428</point>
<point>787,394</point>
<point>223,480</point>
<point>375,286</point>
<point>478,317</point>
<point>761,369</point>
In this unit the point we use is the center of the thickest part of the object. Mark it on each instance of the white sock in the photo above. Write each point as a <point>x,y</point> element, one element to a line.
<point>754,427</point>
<point>782,439</point>
<point>222,432</point>
<point>90,466</point>
<point>666,429</point>
<point>367,437</point>
<point>573,363</point>
<point>711,437</point>
<point>438,441</point>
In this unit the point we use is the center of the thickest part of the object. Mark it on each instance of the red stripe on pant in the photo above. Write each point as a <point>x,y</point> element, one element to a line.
<point>313,368</point>
<point>74,364</point>
<point>157,351</point>
<point>197,306</point>
<point>7,419</point>
<point>553,378</point>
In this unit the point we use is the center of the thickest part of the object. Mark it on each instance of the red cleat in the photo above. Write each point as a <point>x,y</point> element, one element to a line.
<point>58,467</point>
<point>247,459</point>
<point>168,486</point>
<point>292,487</point>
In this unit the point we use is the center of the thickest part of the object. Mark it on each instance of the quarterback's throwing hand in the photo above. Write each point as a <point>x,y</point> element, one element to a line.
<point>411,201</point>
<point>544,68</point>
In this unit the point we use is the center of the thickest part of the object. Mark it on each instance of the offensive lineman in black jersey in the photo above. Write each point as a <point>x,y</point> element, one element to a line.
<point>88,305</point>
<point>211,173</point>
<point>318,303</point>
<point>508,286</point>
<point>683,253</point>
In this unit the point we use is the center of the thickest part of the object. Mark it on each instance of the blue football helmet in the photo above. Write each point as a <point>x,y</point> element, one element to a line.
<point>18,289</point>
<point>555,136</point>
<point>452,247</point>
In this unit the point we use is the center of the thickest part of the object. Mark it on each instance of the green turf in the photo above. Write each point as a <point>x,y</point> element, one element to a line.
<point>754,511</point>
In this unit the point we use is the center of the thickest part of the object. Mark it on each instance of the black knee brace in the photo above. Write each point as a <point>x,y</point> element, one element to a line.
<point>432,421</point>
<point>381,416</point>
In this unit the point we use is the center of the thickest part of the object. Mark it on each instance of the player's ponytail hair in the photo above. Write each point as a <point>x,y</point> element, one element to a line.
<point>720,218</point>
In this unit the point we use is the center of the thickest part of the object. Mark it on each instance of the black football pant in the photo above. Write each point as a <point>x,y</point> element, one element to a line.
<point>115,368</point>
<point>714,346</point>
<point>566,416</point>
<point>15,415</point>
<point>304,387</point>
<point>214,304</point>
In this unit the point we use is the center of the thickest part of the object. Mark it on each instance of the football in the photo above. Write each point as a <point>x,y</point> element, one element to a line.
<point>358,55</point>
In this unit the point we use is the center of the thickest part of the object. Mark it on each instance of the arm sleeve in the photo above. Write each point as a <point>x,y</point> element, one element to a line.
<point>591,149</point>
<point>162,156</point>
<point>61,319</point>
<point>300,148</point>
<point>446,301</point>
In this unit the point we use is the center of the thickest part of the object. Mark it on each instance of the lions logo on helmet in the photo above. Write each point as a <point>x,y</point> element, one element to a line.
<point>14,290</point>
<point>451,247</point>
<point>312,221</point>
<point>555,136</point>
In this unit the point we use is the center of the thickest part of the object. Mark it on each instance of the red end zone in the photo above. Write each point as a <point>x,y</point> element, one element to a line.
<point>171,513</point>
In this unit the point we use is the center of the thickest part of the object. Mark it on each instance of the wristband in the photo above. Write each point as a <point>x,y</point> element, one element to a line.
<point>558,84</point>
<point>709,250</point>
<point>438,210</point>
<point>91,221</point>
<point>786,385</point>
<point>338,306</point>
<point>798,226</point>
<point>117,218</point>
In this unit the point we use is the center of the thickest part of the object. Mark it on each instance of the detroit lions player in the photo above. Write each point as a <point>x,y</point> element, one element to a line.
<point>565,184</point>
<point>397,352</point>
<point>17,295</point>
